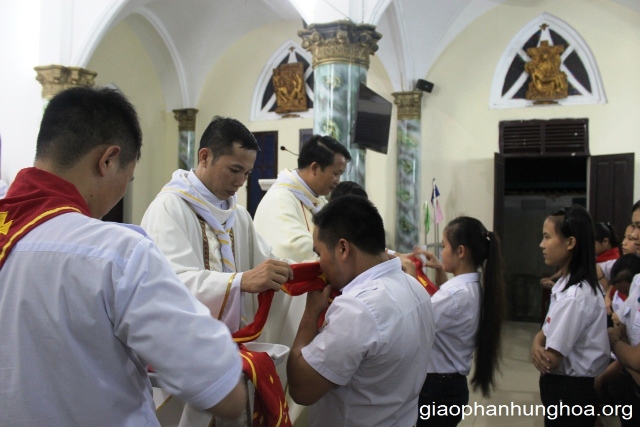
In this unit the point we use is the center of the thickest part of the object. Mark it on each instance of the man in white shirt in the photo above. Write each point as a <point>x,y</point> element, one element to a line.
<point>86,305</point>
<point>366,364</point>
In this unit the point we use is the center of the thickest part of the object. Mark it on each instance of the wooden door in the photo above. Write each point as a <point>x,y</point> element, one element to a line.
<point>611,189</point>
<point>266,166</point>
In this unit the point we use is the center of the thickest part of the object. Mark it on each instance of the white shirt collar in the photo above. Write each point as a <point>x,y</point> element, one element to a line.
<point>373,273</point>
<point>461,279</point>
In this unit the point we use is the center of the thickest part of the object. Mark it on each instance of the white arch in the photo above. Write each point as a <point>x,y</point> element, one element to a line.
<point>287,50</point>
<point>104,19</point>
<point>166,59</point>
<point>576,44</point>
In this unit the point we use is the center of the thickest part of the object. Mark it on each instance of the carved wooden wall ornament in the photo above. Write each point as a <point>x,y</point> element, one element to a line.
<point>288,82</point>
<point>548,83</point>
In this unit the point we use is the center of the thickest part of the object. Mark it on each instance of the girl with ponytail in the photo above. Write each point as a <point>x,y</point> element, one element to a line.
<point>469,310</point>
<point>573,347</point>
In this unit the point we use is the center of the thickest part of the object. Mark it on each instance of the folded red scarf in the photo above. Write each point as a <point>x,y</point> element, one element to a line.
<point>608,255</point>
<point>34,197</point>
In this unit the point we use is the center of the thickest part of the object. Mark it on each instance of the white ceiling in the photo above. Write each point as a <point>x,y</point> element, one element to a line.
<point>186,37</point>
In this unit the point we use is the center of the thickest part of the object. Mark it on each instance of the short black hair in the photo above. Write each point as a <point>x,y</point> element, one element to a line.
<point>636,206</point>
<point>322,150</point>
<point>354,219</point>
<point>223,132</point>
<point>625,268</point>
<point>345,188</point>
<point>81,118</point>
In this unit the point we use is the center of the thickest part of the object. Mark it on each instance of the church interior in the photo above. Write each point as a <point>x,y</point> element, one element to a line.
<point>474,108</point>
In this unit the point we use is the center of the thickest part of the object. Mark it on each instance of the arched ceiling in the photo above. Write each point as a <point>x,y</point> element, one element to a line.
<point>185,38</point>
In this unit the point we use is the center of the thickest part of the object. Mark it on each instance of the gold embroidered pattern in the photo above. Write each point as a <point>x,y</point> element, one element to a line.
<point>4,226</point>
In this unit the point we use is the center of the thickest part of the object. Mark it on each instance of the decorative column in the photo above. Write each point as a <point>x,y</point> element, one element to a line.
<point>408,203</point>
<point>187,151</point>
<point>55,78</point>
<point>341,51</point>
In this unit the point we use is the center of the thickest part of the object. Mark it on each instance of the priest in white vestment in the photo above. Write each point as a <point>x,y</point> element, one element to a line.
<point>284,219</point>
<point>209,239</point>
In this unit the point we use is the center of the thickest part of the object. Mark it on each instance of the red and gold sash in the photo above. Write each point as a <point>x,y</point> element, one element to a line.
<point>270,406</point>
<point>429,286</point>
<point>307,276</point>
<point>33,198</point>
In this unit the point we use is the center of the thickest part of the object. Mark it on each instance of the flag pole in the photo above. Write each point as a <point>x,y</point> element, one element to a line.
<point>436,243</point>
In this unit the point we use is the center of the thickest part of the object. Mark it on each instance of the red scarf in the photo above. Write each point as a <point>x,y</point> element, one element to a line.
<point>34,197</point>
<point>270,406</point>
<point>608,255</point>
<point>429,286</point>
<point>307,276</point>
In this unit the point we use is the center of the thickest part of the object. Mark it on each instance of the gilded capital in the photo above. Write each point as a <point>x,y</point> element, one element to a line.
<point>409,104</point>
<point>186,118</point>
<point>55,78</point>
<point>340,41</point>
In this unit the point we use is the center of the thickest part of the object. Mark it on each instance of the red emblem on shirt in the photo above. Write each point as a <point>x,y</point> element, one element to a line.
<point>548,319</point>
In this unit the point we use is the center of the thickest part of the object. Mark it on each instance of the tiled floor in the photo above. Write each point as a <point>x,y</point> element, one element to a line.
<point>517,383</point>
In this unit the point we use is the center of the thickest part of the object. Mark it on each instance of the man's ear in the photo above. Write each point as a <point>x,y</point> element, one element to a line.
<point>344,248</point>
<point>204,155</point>
<point>315,167</point>
<point>109,159</point>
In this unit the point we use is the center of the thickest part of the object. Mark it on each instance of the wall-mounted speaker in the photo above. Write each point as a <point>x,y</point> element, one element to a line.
<point>424,85</point>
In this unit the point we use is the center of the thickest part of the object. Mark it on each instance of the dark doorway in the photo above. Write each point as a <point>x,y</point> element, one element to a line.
<point>534,187</point>
<point>265,167</point>
<point>527,189</point>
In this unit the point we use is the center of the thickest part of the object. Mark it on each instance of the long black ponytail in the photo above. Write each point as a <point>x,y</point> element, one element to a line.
<point>486,252</point>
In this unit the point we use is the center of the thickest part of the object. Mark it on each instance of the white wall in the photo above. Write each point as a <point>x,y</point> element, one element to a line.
<point>20,93</point>
<point>121,59</point>
<point>460,132</point>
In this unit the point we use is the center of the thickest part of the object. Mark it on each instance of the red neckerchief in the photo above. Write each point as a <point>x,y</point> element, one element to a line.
<point>270,406</point>
<point>34,197</point>
<point>622,296</point>
<point>422,278</point>
<point>608,255</point>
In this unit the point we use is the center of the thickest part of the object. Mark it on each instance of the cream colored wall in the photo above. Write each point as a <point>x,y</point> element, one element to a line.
<point>460,132</point>
<point>229,90</point>
<point>121,59</point>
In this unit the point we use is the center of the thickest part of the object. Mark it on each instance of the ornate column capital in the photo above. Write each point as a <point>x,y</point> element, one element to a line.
<point>55,78</point>
<point>409,104</point>
<point>186,118</point>
<point>340,41</point>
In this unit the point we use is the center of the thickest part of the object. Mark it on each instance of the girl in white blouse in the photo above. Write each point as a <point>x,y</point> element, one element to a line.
<point>572,347</point>
<point>468,314</point>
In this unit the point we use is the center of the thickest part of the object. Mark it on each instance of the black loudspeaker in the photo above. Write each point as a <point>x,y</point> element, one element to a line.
<point>424,85</point>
